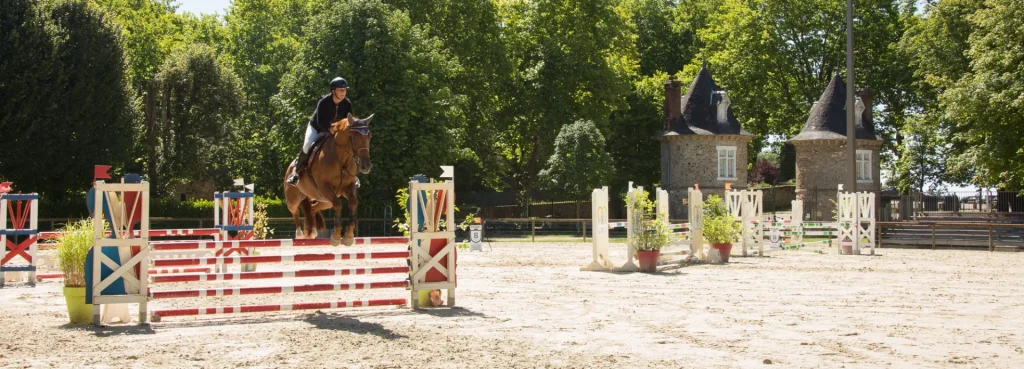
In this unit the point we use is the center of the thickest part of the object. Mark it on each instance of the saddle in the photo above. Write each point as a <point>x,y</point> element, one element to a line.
<point>315,150</point>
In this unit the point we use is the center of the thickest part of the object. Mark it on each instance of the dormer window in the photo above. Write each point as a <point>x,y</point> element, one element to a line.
<point>860,111</point>
<point>722,106</point>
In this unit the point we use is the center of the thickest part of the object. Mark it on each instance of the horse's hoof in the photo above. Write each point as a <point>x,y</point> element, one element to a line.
<point>335,242</point>
<point>349,241</point>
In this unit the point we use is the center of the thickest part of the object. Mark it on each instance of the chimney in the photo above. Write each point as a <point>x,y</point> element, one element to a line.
<point>672,102</point>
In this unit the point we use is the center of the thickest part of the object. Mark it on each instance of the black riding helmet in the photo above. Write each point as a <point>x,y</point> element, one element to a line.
<point>338,82</point>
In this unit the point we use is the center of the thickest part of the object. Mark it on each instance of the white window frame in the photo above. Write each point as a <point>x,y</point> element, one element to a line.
<point>864,166</point>
<point>723,156</point>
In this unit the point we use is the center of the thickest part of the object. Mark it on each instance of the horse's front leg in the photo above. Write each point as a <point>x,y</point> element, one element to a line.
<point>353,206</point>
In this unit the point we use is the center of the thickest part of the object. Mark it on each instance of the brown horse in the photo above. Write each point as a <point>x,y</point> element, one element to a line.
<point>330,178</point>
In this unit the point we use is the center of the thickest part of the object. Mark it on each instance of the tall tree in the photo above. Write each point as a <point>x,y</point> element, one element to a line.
<point>81,114</point>
<point>631,143</point>
<point>199,106</point>
<point>396,71</point>
<point>580,162</point>
<point>935,44</point>
<point>262,38</point>
<point>987,104</point>
<point>29,73</point>
<point>471,32</point>
<point>572,61</point>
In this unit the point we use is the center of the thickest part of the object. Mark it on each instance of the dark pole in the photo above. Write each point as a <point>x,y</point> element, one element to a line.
<point>851,130</point>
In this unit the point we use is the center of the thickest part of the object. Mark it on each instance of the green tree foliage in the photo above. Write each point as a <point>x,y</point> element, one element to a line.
<point>776,56</point>
<point>631,143</point>
<point>986,104</point>
<point>150,30</point>
<point>200,102</point>
<point>664,42</point>
<point>573,60</point>
<point>472,32</point>
<point>395,71</point>
<point>262,38</point>
<point>28,79</point>
<point>70,108</point>
<point>580,163</point>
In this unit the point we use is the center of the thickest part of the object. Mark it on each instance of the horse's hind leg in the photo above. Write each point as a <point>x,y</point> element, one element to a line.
<point>309,215</point>
<point>321,223</point>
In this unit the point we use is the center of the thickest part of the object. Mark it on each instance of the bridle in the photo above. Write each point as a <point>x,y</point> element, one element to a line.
<point>363,130</point>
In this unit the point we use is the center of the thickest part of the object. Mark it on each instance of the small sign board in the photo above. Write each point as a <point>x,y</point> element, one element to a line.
<point>476,233</point>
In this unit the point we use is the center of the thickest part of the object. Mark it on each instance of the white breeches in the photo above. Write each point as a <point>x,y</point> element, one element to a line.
<point>311,137</point>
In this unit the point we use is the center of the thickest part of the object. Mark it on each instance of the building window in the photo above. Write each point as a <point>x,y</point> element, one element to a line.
<point>726,162</point>
<point>864,166</point>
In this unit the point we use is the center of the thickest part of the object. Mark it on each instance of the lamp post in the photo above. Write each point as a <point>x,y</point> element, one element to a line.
<point>851,129</point>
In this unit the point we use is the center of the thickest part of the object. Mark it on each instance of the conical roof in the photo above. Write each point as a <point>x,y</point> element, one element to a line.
<point>699,110</point>
<point>827,120</point>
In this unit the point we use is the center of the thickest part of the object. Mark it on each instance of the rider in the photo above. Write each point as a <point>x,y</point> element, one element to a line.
<point>331,108</point>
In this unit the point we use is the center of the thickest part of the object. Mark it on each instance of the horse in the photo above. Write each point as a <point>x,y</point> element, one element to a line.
<point>331,177</point>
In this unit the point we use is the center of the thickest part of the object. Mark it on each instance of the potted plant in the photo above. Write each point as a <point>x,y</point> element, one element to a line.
<point>652,232</point>
<point>720,229</point>
<point>73,245</point>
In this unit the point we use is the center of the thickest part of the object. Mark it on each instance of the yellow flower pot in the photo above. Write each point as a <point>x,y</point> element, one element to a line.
<point>78,311</point>
<point>424,298</point>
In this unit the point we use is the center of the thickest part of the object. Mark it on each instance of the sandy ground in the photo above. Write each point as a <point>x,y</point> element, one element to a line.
<point>528,305</point>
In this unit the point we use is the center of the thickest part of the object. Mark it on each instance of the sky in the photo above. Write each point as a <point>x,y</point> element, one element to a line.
<point>203,6</point>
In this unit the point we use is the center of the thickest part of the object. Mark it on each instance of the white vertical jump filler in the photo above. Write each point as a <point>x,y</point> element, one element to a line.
<point>631,226</point>
<point>696,216</point>
<point>856,225</point>
<point>692,234</point>
<point>135,285</point>
<point>600,226</point>
<point>746,207</point>
<point>432,200</point>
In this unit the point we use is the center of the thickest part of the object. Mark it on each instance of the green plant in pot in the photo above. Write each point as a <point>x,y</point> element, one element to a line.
<point>651,234</point>
<point>73,245</point>
<point>720,229</point>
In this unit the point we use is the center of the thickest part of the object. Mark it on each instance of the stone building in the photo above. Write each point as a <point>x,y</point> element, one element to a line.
<point>701,141</point>
<point>821,160</point>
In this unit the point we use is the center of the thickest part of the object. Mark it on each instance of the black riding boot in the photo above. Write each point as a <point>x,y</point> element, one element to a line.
<point>300,165</point>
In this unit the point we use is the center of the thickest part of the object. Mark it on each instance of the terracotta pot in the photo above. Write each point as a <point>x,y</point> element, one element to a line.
<point>648,260</point>
<point>724,249</point>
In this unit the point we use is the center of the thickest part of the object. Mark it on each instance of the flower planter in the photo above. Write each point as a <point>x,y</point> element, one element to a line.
<point>78,311</point>
<point>847,249</point>
<point>724,249</point>
<point>648,260</point>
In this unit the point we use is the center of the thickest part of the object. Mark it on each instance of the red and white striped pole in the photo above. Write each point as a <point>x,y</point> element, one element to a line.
<point>275,290</point>
<point>275,307</point>
<point>308,273</point>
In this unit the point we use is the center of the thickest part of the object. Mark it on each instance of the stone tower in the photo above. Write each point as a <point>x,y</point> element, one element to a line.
<point>821,160</point>
<point>701,141</point>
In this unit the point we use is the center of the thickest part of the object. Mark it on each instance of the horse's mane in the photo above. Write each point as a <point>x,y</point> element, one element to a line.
<point>340,125</point>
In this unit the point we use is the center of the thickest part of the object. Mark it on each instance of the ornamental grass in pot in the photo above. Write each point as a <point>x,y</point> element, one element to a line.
<point>720,229</point>
<point>73,245</point>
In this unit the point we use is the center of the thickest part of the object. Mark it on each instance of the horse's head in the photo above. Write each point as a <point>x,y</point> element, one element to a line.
<point>357,133</point>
